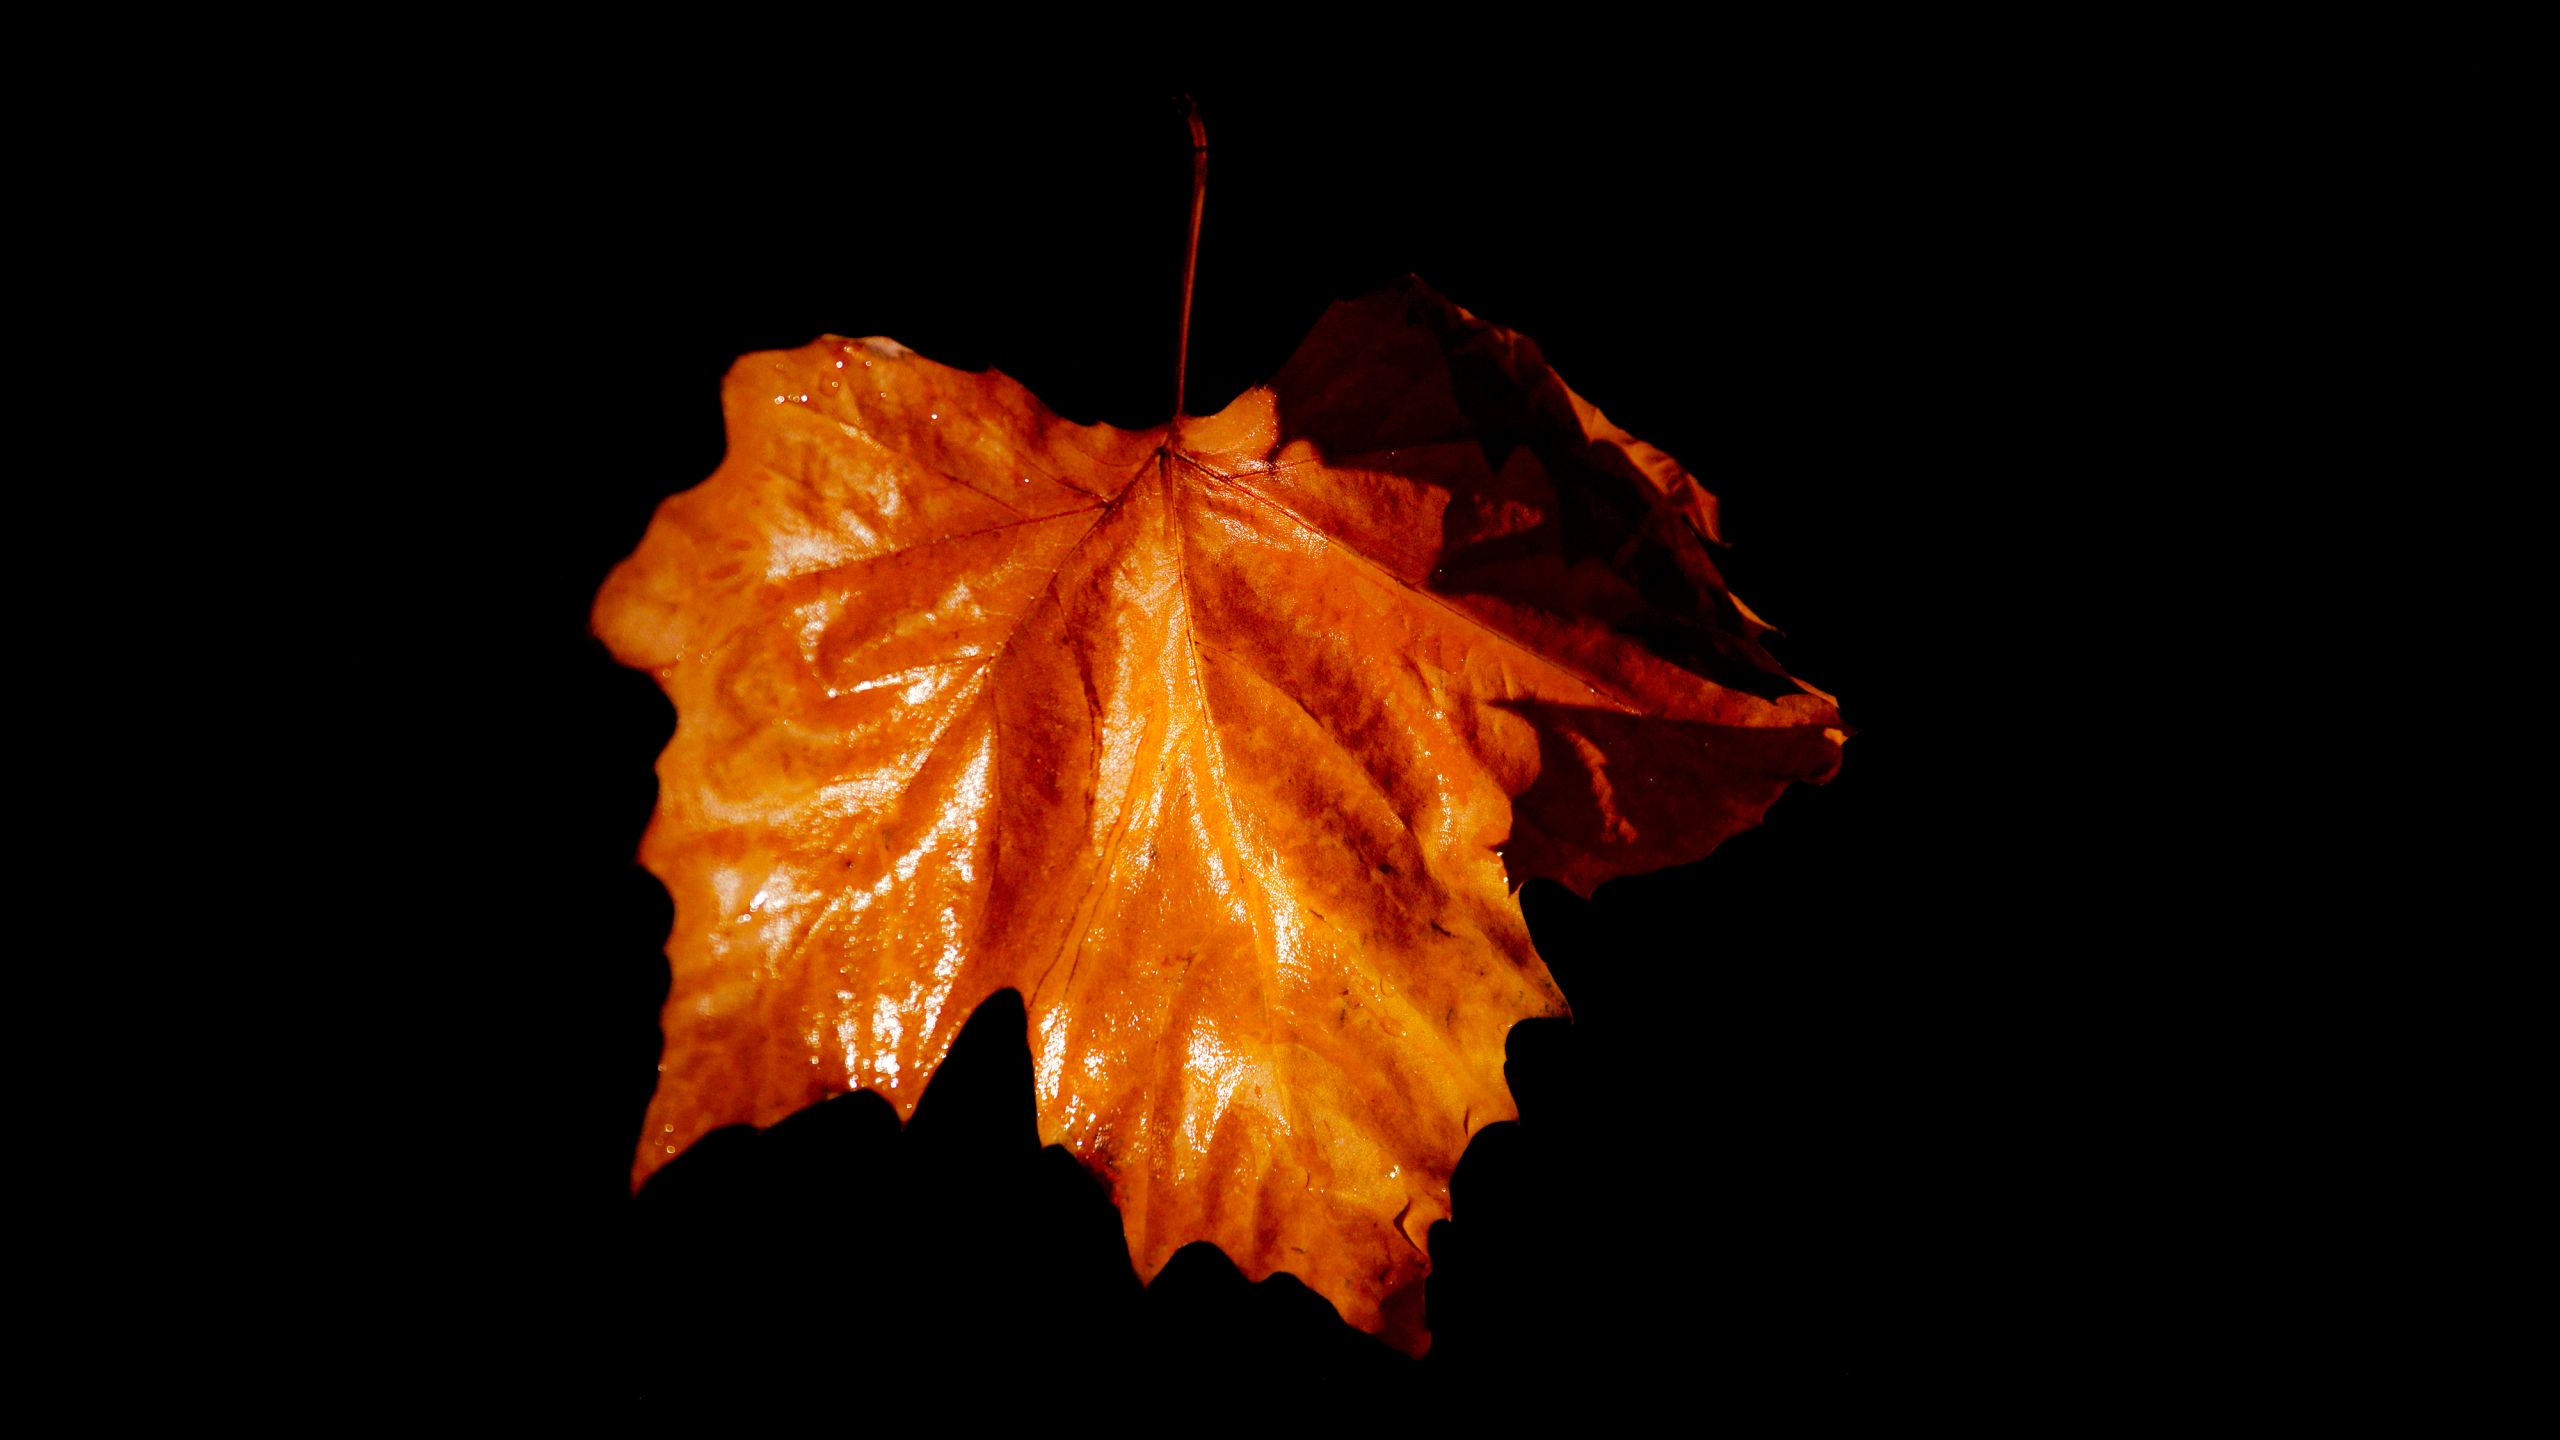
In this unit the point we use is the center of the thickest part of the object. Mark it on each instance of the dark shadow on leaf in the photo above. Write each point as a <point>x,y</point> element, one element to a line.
<point>1537,513</point>
<point>1622,794</point>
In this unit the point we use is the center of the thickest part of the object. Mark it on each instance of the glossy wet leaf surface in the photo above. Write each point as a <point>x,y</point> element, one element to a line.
<point>1225,745</point>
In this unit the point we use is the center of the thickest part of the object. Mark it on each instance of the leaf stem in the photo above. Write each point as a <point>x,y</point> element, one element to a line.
<point>1190,248</point>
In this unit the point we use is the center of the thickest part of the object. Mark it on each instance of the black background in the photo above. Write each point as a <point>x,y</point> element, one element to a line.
<point>1840,1123</point>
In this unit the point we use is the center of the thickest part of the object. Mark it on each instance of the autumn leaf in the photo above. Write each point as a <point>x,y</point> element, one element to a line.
<point>1227,744</point>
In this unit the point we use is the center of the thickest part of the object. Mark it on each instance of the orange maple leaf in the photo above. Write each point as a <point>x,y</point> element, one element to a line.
<point>1227,744</point>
